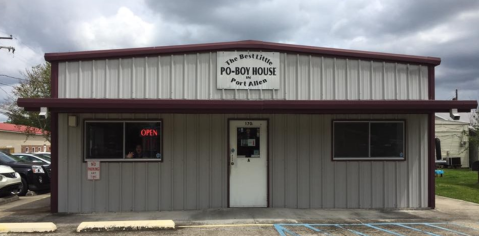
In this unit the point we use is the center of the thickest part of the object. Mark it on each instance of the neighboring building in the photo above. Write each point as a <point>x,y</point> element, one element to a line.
<point>454,136</point>
<point>242,124</point>
<point>13,139</point>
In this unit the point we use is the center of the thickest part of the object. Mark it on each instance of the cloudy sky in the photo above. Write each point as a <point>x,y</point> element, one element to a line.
<point>448,29</point>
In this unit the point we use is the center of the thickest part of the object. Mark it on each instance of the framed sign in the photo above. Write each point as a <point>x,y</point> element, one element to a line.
<point>93,170</point>
<point>247,70</point>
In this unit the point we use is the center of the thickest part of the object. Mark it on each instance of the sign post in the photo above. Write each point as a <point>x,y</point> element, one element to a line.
<point>93,170</point>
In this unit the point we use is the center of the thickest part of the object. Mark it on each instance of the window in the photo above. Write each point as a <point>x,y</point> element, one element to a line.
<point>123,140</point>
<point>248,142</point>
<point>33,149</point>
<point>368,140</point>
<point>26,149</point>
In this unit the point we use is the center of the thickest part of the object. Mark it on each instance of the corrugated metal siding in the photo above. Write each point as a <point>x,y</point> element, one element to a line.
<point>193,76</point>
<point>194,172</point>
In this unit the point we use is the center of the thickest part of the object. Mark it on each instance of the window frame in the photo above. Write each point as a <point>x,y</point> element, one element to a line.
<point>404,158</point>
<point>123,159</point>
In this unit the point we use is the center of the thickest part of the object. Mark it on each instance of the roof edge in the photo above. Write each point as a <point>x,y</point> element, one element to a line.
<point>240,106</point>
<point>238,45</point>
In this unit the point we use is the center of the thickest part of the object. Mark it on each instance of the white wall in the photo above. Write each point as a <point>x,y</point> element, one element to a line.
<point>193,76</point>
<point>452,134</point>
<point>16,140</point>
<point>194,172</point>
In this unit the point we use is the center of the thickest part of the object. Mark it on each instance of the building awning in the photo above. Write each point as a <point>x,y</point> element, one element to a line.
<point>71,105</point>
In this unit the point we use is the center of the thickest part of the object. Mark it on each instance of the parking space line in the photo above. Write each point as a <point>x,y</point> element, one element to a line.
<point>422,231</point>
<point>442,228</point>
<point>384,230</point>
<point>284,231</point>
<point>315,229</point>
<point>351,230</point>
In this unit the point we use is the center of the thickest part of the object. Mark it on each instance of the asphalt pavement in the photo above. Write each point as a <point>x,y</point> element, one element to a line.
<point>451,217</point>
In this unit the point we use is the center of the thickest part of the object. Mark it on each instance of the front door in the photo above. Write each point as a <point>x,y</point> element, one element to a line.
<point>248,163</point>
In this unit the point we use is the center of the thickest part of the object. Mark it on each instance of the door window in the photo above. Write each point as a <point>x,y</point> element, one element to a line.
<point>248,142</point>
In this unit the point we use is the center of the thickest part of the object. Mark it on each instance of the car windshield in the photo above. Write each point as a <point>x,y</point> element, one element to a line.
<point>9,158</point>
<point>44,156</point>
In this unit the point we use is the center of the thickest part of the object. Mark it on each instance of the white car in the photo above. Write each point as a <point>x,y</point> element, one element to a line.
<point>44,155</point>
<point>34,158</point>
<point>10,181</point>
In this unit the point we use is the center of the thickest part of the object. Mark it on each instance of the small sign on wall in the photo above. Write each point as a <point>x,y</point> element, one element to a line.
<point>93,170</point>
<point>247,70</point>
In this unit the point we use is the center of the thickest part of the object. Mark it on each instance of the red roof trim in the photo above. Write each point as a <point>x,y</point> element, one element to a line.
<point>236,106</point>
<point>19,128</point>
<point>238,45</point>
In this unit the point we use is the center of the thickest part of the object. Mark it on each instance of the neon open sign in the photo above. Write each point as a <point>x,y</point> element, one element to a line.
<point>149,132</point>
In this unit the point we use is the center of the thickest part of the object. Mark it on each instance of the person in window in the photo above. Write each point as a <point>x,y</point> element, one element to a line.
<point>137,154</point>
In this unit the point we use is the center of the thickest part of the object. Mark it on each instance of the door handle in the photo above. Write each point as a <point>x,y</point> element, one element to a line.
<point>232,162</point>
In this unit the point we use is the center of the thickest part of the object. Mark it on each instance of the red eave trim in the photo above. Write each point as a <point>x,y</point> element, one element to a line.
<point>235,106</point>
<point>238,45</point>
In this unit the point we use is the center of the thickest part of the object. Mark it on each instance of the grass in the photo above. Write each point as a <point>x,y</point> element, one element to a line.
<point>459,184</point>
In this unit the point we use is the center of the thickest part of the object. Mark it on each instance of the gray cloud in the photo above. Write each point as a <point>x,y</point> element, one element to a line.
<point>441,28</point>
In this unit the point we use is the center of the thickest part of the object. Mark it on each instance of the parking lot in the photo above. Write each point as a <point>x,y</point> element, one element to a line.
<point>452,217</point>
<point>393,228</point>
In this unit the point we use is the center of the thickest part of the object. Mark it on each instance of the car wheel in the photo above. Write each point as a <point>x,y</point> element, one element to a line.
<point>23,187</point>
<point>17,190</point>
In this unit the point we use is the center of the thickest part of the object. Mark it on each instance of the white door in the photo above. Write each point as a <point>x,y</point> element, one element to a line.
<point>248,163</point>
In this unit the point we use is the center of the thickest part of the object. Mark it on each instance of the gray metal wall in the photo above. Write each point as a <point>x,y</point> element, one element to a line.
<point>194,172</point>
<point>193,76</point>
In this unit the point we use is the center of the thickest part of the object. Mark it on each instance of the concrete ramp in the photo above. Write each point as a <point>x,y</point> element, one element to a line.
<point>125,225</point>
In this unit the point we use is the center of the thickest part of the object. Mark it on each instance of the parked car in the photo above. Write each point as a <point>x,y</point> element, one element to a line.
<point>10,181</point>
<point>43,154</point>
<point>34,176</point>
<point>37,158</point>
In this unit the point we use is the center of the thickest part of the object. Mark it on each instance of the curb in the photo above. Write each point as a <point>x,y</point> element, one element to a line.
<point>27,227</point>
<point>8,199</point>
<point>125,225</point>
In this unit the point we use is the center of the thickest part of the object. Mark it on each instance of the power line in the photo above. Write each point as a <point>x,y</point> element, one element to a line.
<point>20,59</point>
<point>6,84</point>
<point>12,77</point>
<point>8,94</point>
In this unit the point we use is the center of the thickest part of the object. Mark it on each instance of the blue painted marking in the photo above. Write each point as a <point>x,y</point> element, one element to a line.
<point>450,230</point>
<point>315,229</point>
<point>350,230</point>
<point>384,230</point>
<point>422,231</point>
<point>283,231</point>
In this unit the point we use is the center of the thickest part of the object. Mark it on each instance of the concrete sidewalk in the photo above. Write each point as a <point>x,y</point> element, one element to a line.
<point>36,209</point>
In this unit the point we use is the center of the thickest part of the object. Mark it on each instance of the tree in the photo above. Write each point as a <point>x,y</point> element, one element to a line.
<point>474,129</point>
<point>35,85</point>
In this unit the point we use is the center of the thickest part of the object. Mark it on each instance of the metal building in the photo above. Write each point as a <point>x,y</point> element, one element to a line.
<point>241,124</point>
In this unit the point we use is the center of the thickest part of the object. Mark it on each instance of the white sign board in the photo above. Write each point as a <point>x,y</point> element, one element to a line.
<point>93,170</point>
<point>247,70</point>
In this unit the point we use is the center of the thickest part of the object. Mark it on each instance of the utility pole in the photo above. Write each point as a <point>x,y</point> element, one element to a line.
<point>7,37</point>
<point>9,48</point>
